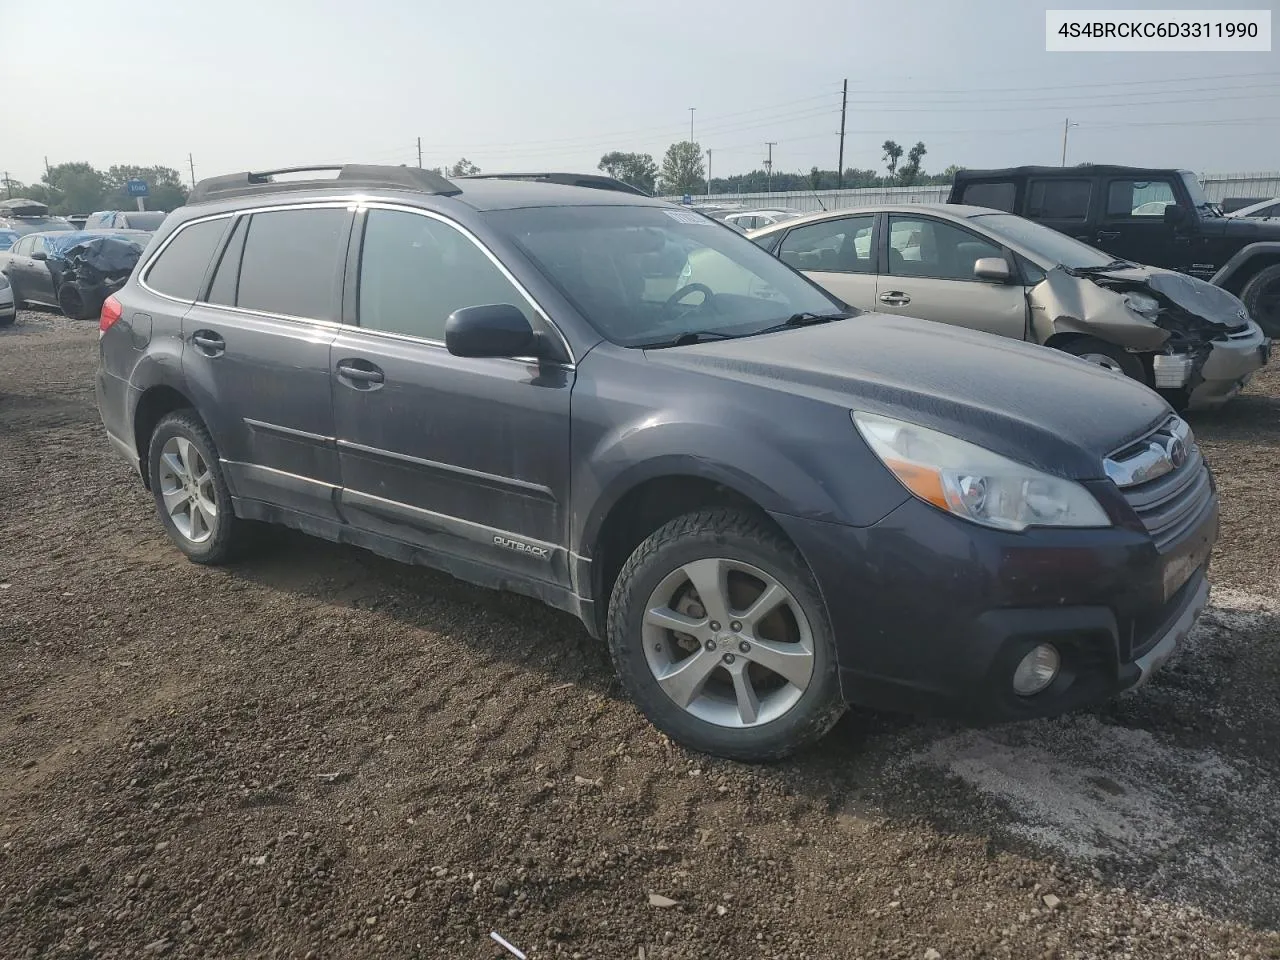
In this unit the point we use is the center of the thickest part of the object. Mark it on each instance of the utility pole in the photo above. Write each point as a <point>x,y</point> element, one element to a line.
<point>708,173</point>
<point>691,140</point>
<point>844,103</point>
<point>768,166</point>
<point>419,153</point>
<point>1066,125</point>
<point>48,171</point>
<point>9,184</point>
<point>192,164</point>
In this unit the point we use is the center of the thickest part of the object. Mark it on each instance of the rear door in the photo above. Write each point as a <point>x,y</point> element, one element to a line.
<point>838,255</point>
<point>466,457</point>
<point>1132,225</point>
<point>21,269</point>
<point>256,351</point>
<point>928,273</point>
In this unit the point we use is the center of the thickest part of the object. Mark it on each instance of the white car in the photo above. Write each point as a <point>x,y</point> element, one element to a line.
<point>756,219</point>
<point>1267,208</point>
<point>8,310</point>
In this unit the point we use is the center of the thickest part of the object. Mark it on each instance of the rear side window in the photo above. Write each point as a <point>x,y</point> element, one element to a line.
<point>292,262</point>
<point>415,271</point>
<point>831,246</point>
<point>997,194</point>
<point>1059,199</point>
<point>180,269</point>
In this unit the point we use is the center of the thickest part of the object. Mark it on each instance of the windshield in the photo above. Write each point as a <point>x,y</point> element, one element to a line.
<point>647,275</point>
<point>1196,192</point>
<point>145,220</point>
<point>38,225</point>
<point>1042,242</point>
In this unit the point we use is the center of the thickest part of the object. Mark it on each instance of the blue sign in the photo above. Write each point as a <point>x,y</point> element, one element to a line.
<point>686,199</point>
<point>137,188</point>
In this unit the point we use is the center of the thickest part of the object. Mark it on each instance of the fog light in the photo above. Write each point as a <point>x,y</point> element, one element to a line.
<point>1037,670</point>
<point>1170,370</point>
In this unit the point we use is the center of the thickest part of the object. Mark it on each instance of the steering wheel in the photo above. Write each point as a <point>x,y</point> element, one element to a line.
<point>708,297</point>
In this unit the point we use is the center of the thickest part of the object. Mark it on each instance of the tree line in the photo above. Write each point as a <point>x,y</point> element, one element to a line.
<point>683,170</point>
<point>68,188</point>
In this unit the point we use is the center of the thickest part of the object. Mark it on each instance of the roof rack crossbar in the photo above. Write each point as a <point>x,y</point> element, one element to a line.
<point>350,176</point>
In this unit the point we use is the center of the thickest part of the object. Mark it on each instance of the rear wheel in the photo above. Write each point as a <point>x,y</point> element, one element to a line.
<point>1106,355</point>
<point>71,303</point>
<point>720,637</point>
<point>191,495</point>
<point>1261,297</point>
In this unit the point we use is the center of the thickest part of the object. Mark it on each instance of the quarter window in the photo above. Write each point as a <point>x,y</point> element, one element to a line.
<point>227,273</point>
<point>1139,198</point>
<point>416,270</point>
<point>1059,199</point>
<point>999,195</point>
<point>292,262</point>
<point>180,269</point>
<point>920,247</point>
<point>832,246</point>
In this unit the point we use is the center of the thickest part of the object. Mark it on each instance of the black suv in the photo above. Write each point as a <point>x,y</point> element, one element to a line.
<point>1153,216</point>
<point>769,506</point>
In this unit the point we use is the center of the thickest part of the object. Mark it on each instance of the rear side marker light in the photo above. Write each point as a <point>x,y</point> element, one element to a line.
<point>111,312</point>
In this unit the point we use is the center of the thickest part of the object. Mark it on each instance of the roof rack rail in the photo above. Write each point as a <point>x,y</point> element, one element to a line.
<point>595,180</point>
<point>351,175</point>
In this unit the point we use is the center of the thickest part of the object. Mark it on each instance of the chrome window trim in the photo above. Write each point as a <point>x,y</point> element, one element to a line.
<point>502,268</point>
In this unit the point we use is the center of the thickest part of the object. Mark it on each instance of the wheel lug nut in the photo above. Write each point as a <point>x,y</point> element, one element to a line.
<point>744,647</point>
<point>735,626</point>
<point>728,658</point>
<point>715,625</point>
<point>711,645</point>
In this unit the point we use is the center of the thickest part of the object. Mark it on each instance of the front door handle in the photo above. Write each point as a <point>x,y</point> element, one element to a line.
<point>360,374</point>
<point>209,343</point>
<point>1108,234</point>
<point>895,298</point>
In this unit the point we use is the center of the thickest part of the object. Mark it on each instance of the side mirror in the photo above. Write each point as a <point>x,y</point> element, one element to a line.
<point>39,255</point>
<point>995,269</point>
<point>1174,214</point>
<point>491,330</point>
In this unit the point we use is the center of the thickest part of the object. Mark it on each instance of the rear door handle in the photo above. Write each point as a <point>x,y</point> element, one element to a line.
<point>360,374</point>
<point>209,343</point>
<point>1108,234</point>
<point>895,298</point>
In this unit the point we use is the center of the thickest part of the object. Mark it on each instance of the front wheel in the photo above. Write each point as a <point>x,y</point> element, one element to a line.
<point>1261,297</point>
<point>192,497</point>
<point>1108,356</point>
<point>719,635</point>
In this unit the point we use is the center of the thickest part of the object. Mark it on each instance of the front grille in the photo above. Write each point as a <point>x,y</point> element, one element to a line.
<point>1172,500</point>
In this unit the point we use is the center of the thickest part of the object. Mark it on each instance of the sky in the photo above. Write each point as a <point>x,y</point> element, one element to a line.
<point>554,85</point>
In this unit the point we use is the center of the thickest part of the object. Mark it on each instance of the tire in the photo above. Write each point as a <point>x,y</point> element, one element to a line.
<point>1116,358</point>
<point>787,716</point>
<point>212,537</point>
<point>8,321</point>
<point>71,303</point>
<point>1261,296</point>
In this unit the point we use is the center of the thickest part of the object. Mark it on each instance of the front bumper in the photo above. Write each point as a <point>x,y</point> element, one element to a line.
<point>932,614</point>
<point>1228,368</point>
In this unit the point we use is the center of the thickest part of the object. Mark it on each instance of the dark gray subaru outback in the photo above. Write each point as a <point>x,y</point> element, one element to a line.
<point>769,504</point>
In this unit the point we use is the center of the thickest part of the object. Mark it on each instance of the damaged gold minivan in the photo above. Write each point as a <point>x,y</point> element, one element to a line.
<point>989,270</point>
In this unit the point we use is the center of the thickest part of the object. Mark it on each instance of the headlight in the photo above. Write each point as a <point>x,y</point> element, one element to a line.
<point>974,483</point>
<point>1141,304</point>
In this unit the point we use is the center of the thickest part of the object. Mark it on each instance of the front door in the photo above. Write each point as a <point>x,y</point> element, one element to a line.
<point>928,273</point>
<point>256,351</point>
<point>838,255</point>
<point>462,456</point>
<point>1133,228</point>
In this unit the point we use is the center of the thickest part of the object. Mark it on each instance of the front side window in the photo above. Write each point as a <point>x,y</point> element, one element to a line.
<point>831,246</point>
<point>180,269</point>
<point>921,247</point>
<point>648,275</point>
<point>1059,199</point>
<point>998,195</point>
<point>24,246</point>
<point>1139,198</point>
<point>292,262</point>
<point>416,270</point>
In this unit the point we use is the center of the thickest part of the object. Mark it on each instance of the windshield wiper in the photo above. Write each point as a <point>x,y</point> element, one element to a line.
<point>804,319</point>
<point>1113,265</point>
<point>685,339</point>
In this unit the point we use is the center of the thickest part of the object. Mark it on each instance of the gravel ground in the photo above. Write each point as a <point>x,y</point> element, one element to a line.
<point>319,753</point>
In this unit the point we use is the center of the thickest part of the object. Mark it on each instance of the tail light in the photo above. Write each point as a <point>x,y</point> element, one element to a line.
<point>111,312</point>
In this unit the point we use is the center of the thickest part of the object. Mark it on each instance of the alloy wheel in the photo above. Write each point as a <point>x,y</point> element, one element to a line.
<point>186,487</point>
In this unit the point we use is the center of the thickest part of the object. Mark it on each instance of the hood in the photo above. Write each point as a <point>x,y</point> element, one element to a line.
<point>1029,403</point>
<point>1247,229</point>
